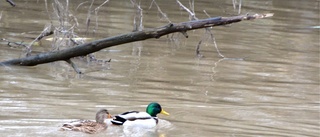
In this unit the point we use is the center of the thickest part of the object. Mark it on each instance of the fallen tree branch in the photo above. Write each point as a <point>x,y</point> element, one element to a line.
<point>87,48</point>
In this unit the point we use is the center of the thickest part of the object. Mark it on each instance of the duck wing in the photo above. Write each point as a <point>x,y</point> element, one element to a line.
<point>130,116</point>
<point>86,126</point>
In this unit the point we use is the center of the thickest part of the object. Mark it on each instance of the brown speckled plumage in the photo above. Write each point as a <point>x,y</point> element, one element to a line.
<point>88,126</point>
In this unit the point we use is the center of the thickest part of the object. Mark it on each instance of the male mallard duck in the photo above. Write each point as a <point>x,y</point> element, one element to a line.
<point>146,119</point>
<point>89,126</point>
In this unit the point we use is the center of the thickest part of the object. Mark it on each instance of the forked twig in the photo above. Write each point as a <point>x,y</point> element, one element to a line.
<point>160,11</point>
<point>192,14</point>
<point>234,3</point>
<point>96,10</point>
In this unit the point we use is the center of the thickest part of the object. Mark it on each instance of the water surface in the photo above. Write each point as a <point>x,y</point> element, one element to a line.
<point>268,84</point>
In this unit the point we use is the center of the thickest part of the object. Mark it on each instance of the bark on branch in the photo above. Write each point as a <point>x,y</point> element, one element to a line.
<point>87,48</point>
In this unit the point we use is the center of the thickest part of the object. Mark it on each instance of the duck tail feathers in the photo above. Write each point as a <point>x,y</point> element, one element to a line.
<point>118,120</point>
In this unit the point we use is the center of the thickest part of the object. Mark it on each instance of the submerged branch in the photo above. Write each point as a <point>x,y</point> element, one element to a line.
<point>11,3</point>
<point>87,48</point>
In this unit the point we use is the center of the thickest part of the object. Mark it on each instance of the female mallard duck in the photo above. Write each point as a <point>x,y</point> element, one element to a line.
<point>146,119</point>
<point>89,126</point>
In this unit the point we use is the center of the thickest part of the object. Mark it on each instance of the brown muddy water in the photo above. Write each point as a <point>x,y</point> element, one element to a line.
<point>268,84</point>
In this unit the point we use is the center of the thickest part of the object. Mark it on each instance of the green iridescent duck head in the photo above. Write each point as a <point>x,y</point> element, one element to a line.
<point>154,108</point>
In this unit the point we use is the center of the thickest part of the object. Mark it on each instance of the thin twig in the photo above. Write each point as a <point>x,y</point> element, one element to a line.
<point>239,10</point>
<point>1,15</point>
<point>198,50</point>
<point>74,66</point>
<point>192,14</point>
<point>15,43</point>
<point>205,12</point>
<point>215,43</point>
<point>138,19</point>
<point>80,5</point>
<point>46,32</point>
<point>96,10</point>
<point>105,2</point>
<point>47,9</point>
<point>11,3</point>
<point>88,17</point>
<point>191,4</point>
<point>160,11</point>
<point>234,4</point>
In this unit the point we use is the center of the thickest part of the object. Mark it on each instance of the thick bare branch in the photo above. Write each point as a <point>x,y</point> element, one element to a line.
<point>87,48</point>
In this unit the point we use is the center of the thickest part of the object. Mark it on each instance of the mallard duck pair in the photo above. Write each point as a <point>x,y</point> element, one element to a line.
<point>146,119</point>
